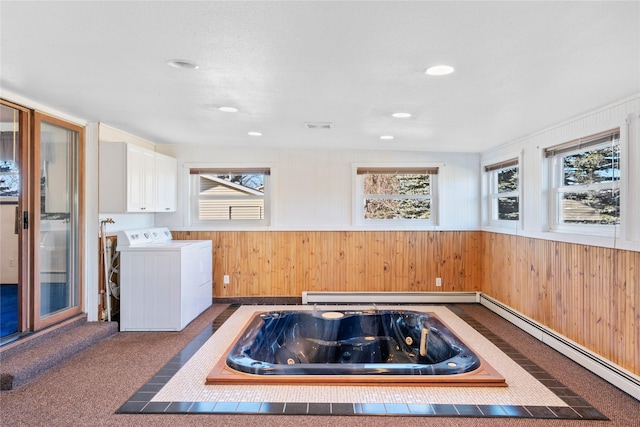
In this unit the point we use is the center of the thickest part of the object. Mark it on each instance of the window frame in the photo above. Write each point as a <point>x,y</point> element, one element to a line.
<point>194,172</point>
<point>359,196</point>
<point>555,168</point>
<point>492,194</point>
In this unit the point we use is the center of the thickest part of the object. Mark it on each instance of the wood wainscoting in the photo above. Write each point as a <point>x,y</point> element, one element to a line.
<point>589,294</point>
<point>286,263</point>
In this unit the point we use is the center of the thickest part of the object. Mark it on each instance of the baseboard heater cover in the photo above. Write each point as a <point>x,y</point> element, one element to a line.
<point>389,297</point>
<point>608,371</point>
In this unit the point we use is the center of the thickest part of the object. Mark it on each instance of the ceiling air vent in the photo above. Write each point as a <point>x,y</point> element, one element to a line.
<point>318,125</point>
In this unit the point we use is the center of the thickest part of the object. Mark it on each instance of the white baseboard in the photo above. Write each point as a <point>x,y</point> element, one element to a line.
<point>605,369</point>
<point>389,297</point>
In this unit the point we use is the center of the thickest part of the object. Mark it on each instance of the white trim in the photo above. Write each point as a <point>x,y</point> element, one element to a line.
<point>569,123</point>
<point>91,227</point>
<point>389,297</point>
<point>536,198</point>
<point>625,228</point>
<point>357,196</point>
<point>192,223</point>
<point>488,198</point>
<point>554,176</point>
<point>623,379</point>
<point>34,105</point>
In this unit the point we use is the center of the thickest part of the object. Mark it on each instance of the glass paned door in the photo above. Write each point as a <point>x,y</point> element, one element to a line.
<point>58,209</point>
<point>11,140</point>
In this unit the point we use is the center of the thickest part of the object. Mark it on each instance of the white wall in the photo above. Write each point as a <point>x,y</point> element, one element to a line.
<point>312,189</point>
<point>91,255</point>
<point>624,114</point>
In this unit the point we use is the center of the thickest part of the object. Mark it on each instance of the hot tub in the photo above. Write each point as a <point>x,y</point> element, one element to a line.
<point>377,343</point>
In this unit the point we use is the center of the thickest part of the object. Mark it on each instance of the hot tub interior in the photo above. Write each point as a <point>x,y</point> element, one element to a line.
<point>388,346</point>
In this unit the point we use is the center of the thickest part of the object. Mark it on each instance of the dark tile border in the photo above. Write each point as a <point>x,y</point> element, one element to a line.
<point>578,408</point>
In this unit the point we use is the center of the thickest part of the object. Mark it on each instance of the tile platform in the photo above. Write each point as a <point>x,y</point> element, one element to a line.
<point>577,408</point>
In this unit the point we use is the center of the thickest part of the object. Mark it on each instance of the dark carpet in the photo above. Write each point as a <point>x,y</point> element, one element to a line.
<point>88,389</point>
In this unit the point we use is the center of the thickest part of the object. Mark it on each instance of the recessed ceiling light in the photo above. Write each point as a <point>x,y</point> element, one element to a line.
<point>182,64</point>
<point>228,109</point>
<point>440,70</point>
<point>386,137</point>
<point>401,115</point>
<point>254,133</point>
<point>319,125</point>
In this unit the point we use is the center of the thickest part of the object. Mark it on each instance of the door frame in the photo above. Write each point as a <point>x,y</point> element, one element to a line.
<point>34,207</point>
<point>28,221</point>
<point>24,254</point>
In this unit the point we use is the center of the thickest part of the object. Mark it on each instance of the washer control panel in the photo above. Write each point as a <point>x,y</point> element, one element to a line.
<point>134,237</point>
<point>144,236</point>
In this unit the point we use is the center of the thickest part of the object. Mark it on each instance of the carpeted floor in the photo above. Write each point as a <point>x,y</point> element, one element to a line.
<point>88,389</point>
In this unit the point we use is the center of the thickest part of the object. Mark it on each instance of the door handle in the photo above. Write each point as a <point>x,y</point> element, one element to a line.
<point>22,221</point>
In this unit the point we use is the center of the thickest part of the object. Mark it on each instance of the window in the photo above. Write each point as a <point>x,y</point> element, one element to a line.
<point>230,195</point>
<point>398,195</point>
<point>586,181</point>
<point>504,191</point>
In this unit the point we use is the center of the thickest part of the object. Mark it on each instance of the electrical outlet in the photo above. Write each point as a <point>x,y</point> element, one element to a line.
<point>438,281</point>
<point>225,279</point>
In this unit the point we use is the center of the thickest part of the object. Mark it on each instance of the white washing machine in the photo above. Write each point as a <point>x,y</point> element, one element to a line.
<point>164,283</point>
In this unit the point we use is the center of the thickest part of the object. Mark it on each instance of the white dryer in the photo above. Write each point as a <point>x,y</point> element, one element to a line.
<point>164,283</point>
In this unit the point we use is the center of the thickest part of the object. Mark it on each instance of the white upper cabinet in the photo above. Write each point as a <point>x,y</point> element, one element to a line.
<point>141,185</point>
<point>166,183</point>
<point>134,179</point>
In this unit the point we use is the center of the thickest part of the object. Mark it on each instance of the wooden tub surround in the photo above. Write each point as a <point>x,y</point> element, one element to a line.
<point>324,340</point>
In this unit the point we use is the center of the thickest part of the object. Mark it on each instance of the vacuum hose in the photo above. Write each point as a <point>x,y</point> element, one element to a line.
<point>105,260</point>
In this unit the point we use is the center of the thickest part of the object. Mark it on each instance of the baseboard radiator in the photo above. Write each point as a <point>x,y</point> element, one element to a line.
<point>389,297</point>
<point>616,375</point>
<point>610,372</point>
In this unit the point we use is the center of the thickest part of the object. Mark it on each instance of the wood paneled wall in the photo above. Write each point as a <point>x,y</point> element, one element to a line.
<point>286,263</point>
<point>589,294</point>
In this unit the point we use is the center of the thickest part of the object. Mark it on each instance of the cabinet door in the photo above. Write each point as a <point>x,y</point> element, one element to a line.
<point>149,181</point>
<point>141,179</point>
<point>135,179</point>
<point>166,183</point>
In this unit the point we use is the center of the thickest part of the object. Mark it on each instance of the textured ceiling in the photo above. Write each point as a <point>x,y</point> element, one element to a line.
<point>520,67</point>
